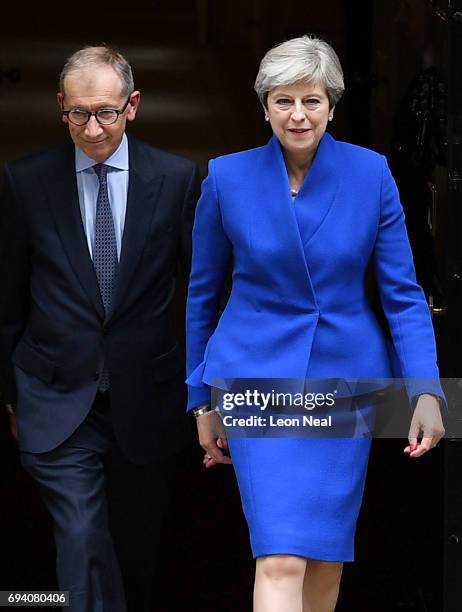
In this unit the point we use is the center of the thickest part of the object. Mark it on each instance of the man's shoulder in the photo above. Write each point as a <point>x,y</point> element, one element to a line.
<point>163,161</point>
<point>42,159</point>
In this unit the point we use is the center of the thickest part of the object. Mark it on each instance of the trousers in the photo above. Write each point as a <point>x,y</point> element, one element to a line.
<point>107,515</point>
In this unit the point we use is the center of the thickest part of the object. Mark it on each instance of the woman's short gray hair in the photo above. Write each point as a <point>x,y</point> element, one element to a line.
<point>99,56</point>
<point>305,58</point>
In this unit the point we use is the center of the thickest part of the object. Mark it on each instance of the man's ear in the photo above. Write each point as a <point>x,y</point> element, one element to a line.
<point>60,100</point>
<point>133,105</point>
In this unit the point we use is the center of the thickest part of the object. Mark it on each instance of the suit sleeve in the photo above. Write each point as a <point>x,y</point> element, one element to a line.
<point>211,255</point>
<point>402,298</point>
<point>14,275</point>
<point>187,221</point>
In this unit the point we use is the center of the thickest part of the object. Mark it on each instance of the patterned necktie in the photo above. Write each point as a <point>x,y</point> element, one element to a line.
<point>105,251</point>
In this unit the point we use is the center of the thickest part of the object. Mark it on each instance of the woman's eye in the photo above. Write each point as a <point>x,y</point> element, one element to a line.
<point>283,101</point>
<point>312,101</point>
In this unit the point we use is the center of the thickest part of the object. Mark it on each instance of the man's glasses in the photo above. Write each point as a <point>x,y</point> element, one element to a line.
<point>104,116</point>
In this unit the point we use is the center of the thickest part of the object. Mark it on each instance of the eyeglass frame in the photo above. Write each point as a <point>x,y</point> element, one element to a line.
<point>90,114</point>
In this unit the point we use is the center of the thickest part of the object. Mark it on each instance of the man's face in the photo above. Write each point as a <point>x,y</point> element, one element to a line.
<point>91,89</point>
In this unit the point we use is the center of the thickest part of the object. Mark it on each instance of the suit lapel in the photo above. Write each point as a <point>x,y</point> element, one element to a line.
<point>143,193</point>
<point>64,204</point>
<point>279,222</point>
<point>318,192</point>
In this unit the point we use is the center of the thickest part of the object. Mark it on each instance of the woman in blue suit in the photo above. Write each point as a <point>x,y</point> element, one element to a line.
<point>300,219</point>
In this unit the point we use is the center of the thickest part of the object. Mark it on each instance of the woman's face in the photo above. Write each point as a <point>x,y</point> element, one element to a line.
<point>298,115</point>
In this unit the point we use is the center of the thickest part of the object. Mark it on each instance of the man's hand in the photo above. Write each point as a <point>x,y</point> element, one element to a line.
<point>427,424</point>
<point>13,426</point>
<point>212,438</point>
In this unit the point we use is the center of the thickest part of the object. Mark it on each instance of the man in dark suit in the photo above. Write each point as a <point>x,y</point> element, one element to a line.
<point>91,234</point>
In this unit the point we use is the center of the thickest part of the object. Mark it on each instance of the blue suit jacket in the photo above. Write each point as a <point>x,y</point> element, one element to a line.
<point>298,305</point>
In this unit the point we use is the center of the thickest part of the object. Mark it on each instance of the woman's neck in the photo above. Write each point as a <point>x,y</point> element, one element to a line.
<point>297,167</point>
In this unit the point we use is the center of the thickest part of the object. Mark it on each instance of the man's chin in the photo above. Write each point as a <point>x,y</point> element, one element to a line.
<point>94,145</point>
<point>99,151</point>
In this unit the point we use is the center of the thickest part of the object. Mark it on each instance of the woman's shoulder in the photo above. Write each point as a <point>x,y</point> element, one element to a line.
<point>359,153</point>
<point>360,163</point>
<point>238,159</point>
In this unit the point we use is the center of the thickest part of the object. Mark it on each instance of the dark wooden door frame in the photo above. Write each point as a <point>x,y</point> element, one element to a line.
<point>452,586</point>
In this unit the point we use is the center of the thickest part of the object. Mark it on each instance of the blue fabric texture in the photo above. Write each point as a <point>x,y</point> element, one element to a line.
<point>298,303</point>
<point>298,308</point>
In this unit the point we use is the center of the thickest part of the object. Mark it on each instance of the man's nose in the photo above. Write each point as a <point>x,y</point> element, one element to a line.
<point>93,128</point>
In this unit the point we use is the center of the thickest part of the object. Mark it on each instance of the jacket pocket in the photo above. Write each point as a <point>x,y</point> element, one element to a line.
<point>29,359</point>
<point>167,365</point>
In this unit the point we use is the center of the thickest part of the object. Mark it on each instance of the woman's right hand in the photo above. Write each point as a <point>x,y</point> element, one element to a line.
<point>212,438</point>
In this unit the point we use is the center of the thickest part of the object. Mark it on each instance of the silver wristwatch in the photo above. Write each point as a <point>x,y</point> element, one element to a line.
<point>200,410</point>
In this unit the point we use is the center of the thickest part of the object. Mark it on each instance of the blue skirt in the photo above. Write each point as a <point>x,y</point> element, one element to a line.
<point>301,496</point>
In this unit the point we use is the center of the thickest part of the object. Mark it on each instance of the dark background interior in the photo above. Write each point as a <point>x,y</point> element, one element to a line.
<point>195,62</point>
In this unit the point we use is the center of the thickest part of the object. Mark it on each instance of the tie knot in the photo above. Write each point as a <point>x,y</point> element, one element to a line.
<point>100,171</point>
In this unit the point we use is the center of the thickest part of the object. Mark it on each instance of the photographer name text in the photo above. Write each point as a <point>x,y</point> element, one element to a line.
<point>274,421</point>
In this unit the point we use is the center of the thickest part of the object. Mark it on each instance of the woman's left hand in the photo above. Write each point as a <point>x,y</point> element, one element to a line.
<point>427,424</point>
<point>212,438</point>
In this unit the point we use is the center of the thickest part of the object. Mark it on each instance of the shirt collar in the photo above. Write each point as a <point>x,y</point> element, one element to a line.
<point>119,159</point>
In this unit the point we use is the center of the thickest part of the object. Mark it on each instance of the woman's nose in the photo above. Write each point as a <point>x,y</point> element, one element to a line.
<point>298,113</point>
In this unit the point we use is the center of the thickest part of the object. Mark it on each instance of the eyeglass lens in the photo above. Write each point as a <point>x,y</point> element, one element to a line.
<point>105,117</point>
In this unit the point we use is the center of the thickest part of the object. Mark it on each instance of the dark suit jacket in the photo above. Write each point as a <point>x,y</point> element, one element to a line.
<point>53,334</point>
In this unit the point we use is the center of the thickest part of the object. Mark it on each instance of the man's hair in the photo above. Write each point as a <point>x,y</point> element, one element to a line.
<point>102,55</point>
